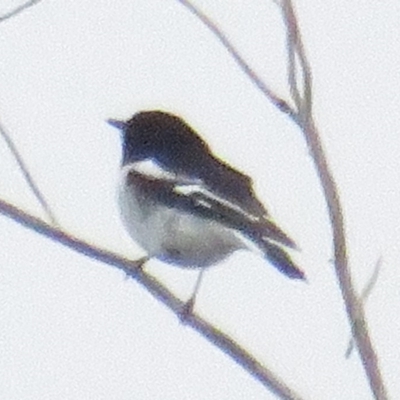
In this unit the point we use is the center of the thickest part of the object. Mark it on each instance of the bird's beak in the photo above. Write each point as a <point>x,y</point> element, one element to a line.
<point>121,125</point>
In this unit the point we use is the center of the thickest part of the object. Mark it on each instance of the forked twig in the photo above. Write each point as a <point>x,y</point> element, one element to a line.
<point>280,103</point>
<point>365,293</point>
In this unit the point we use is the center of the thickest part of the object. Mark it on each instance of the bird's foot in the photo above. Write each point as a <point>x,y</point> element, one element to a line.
<point>187,310</point>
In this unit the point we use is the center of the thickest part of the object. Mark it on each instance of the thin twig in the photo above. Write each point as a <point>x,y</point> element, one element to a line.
<point>291,46</point>
<point>18,10</point>
<point>372,281</point>
<point>27,175</point>
<point>293,28</point>
<point>296,51</point>
<point>134,269</point>
<point>364,297</point>
<point>281,104</point>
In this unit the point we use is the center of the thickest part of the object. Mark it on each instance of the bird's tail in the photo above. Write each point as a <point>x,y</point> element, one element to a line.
<point>267,229</point>
<point>271,240</point>
<point>280,259</point>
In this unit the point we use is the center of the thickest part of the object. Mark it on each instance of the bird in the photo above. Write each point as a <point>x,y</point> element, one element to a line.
<point>185,206</point>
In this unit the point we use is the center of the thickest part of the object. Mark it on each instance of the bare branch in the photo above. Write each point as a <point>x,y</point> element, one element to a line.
<point>354,306</point>
<point>18,10</point>
<point>304,119</point>
<point>278,102</point>
<point>133,269</point>
<point>27,175</point>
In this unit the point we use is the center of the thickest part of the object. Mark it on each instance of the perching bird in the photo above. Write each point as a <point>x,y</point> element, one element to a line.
<point>185,206</point>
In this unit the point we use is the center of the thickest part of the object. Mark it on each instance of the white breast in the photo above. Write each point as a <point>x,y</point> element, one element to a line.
<point>175,237</point>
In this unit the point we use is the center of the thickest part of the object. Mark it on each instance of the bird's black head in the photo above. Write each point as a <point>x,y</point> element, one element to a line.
<point>162,137</point>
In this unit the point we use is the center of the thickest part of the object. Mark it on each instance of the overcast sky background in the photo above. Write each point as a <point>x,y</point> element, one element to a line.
<point>72,328</point>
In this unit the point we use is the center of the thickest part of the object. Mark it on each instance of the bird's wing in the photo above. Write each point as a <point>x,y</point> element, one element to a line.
<point>231,184</point>
<point>215,207</point>
<point>190,195</point>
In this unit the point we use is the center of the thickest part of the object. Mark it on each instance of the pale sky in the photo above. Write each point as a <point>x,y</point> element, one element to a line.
<point>72,328</point>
